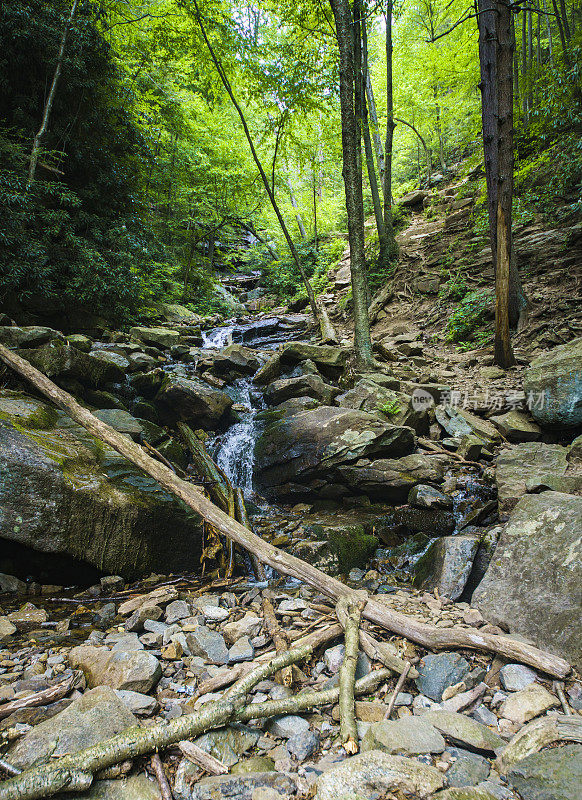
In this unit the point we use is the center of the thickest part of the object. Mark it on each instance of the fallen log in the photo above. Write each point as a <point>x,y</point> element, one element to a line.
<point>428,636</point>
<point>202,759</point>
<point>75,772</point>
<point>42,698</point>
<point>349,613</point>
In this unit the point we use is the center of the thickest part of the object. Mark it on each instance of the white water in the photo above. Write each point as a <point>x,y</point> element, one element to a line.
<point>217,338</point>
<point>236,452</point>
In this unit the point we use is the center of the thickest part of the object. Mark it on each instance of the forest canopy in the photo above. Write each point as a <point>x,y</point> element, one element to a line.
<point>145,187</point>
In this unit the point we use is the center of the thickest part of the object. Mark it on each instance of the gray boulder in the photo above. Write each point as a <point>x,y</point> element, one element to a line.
<point>446,565</point>
<point>553,386</point>
<point>534,582</point>
<point>525,465</point>
<point>517,427</point>
<point>438,671</point>
<point>58,360</point>
<point>27,336</point>
<point>249,786</point>
<point>238,359</point>
<point>367,395</point>
<point>301,386</point>
<point>314,443</point>
<point>549,775</point>
<point>390,479</point>
<point>322,355</point>
<point>62,491</point>
<point>191,401</point>
<point>134,670</point>
<point>158,337</point>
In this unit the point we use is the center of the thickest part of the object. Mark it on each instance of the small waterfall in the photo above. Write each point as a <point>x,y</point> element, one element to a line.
<point>235,454</point>
<point>217,338</point>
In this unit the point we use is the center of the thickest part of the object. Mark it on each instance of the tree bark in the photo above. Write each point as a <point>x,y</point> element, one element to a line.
<point>549,30</point>
<point>327,331</point>
<point>378,146</point>
<point>34,154</point>
<point>390,125</point>
<point>505,45</point>
<point>375,610</point>
<point>349,614</point>
<point>353,181</point>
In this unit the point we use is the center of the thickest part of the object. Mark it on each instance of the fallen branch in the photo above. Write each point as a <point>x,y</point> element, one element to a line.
<point>399,684</point>
<point>161,778</point>
<point>349,614</point>
<point>382,652</point>
<point>537,734</point>
<point>202,759</point>
<point>42,698</point>
<point>75,772</point>
<point>428,636</point>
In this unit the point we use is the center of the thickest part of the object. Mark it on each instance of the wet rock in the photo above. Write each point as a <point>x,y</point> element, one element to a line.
<point>528,703</point>
<point>469,769</point>
<point>28,617</point>
<point>6,628</point>
<point>133,787</point>
<point>228,744</point>
<point>533,584</point>
<point>135,670</point>
<point>395,406</point>
<point>208,644</point>
<point>62,491</point>
<point>288,725</point>
<point>58,360</point>
<point>302,386</point>
<point>191,401</point>
<point>142,705</point>
<point>242,650</point>
<point>489,791</point>
<point>254,786</point>
<point>158,337</point>
<point>112,583</point>
<point>158,597</point>
<point>238,359</point>
<point>554,383</point>
<point>439,671</point>
<point>446,565</point>
<point>516,676</point>
<point>549,775</point>
<point>423,496</point>
<point>434,522</point>
<point>374,774</point>
<point>464,731</point>
<point>303,745</point>
<point>391,479</point>
<point>409,736</point>
<point>121,421</point>
<point>524,464</point>
<point>517,427</point>
<point>322,355</point>
<point>96,715</point>
<point>11,585</point>
<point>313,443</point>
<point>28,336</point>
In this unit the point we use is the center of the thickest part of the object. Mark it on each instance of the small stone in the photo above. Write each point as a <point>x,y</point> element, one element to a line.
<point>303,745</point>
<point>249,625</point>
<point>254,764</point>
<point>242,650</point>
<point>228,744</point>
<point>215,613</point>
<point>177,610</point>
<point>528,703</point>
<point>291,605</point>
<point>142,705</point>
<point>135,670</point>
<point>207,644</point>
<point>424,496</point>
<point>437,672</point>
<point>112,583</point>
<point>464,730</point>
<point>409,736</point>
<point>288,725</point>
<point>28,617</point>
<point>135,622</point>
<point>256,786</point>
<point>469,768</point>
<point>515,677</point>
<point>6,628</point>
<point>484,716</point>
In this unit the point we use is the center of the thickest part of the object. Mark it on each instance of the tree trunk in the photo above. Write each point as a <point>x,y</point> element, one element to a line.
<point>353,181</point>
<point>319,314</point>
<point>375,611</point>
<point>505,46</point>
<point>378,146</point>
<point>300,224</point>
<point>390,125</point>
<point>549,30</point>
<point>423,143</point>
<point>565,50</point>
<point>50,99</point>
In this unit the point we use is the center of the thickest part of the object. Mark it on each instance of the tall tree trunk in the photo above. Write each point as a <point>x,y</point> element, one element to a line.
<point>34,153</point>
<point>378,146</point>
<point>567,33</point>
<point>563,40</point>
<point>524,68</point>
<point>352,180</point>
<point>530,59</point>
<point>549,30</point>
<point>390,125</point>
<point>300,224</point>
<point>319,312</point>
<point>505,47</point>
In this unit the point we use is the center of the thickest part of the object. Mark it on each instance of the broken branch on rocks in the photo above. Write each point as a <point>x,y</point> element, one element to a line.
<point>428,636</point>
<point>42,698</point>
<point>349,612</point>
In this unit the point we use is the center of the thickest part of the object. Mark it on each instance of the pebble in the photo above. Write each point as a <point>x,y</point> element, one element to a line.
<point>242,650</point>
<point>288,725</point>
<point>515,677</point>
<point>303,745</point>
<point>528,703</point>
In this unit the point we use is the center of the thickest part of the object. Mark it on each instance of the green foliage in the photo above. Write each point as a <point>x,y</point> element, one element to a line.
<point>390,407</point>
<point>473,310</point>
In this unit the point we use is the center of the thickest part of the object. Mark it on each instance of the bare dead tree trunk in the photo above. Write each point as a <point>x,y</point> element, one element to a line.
<point>378,146</point>
<point>300,224</point>
<point>50,99</point>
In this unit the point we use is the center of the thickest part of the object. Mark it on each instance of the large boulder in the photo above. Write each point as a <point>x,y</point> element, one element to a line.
<point>322,355</point>
<point>446,565</point>
<point>191,401</point>
<point>530,466</point>
<point>367,395</point>
<point>158,337</point>
<point>238,359</point>
<point>301,386</point>
<point>314,443</point>
<point>63,491</point>
<point>59,360</point>
<point>390,479</point>
<point>534,582</point>
<point>553,386</point>
<point>27,336</point>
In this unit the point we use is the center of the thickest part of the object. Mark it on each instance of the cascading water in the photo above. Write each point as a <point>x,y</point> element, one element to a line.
<point>217,338</point>
<point>235,452</point>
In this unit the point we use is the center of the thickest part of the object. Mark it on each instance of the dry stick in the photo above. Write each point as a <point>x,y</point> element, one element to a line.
<point>50,695</point>
<point>397,688</point>
<point>9,768</point>
<point>158,769</point>
<point>558,687</point>
<point>75,772</point>
<point>381,651</point>
<point>349,613</point>
<point>202,759</point>
<point>376,611</point>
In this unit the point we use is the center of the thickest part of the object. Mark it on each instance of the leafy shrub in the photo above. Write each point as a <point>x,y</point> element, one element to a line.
<point>473,310</point>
